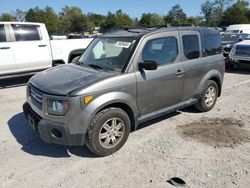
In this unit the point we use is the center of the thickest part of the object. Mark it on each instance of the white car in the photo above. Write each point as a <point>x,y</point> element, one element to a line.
<point>240,53</point>
<point>238,28</point>
<point>26,47</point>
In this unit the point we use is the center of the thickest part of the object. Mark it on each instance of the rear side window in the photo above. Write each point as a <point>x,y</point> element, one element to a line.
<point>191,46</point>
<point>2,34</point>
<point>162,50</point>
<point>212,44</point>
<point>26,32</point>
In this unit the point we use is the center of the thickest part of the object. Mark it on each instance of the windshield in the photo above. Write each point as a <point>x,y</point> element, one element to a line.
<point>232,31</point>
<point>235,37</point>
<point>248,37</point>
<point>229,38</point>
<point>108,53</point>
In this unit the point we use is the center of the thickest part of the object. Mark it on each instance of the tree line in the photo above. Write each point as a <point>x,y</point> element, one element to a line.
<point>72,19</point>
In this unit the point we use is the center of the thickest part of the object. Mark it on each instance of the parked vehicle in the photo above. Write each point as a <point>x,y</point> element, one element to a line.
<point>58,37</point>
<point>240,53</point>
<point>125,78</point>
<point>238,28</point>
<point>26,47</point>
<point>228,40</point>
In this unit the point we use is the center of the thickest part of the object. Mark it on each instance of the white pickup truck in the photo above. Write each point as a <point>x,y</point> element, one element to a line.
<point>26,47</point>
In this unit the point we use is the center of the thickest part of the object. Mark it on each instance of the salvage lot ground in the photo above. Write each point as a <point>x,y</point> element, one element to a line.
<point>204,149</point>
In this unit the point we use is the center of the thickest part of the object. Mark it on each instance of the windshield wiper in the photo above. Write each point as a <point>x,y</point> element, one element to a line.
<point>94,66</point>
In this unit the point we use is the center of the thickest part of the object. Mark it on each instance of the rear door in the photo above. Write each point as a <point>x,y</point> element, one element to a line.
<point>192,62</point>
<point>163,87</point>
<point>31,47</point>
<point>7,61</point>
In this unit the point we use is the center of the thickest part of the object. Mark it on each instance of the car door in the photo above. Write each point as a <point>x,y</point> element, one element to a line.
<point>161,88</point>
<point>31,49</point>
<point>192,62</point>
<point>7,60</point>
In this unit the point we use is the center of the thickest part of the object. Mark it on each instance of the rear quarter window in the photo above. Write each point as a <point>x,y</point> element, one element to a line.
<point>191,46</point>
<point>26,32</point>
<point>2,34</point>
<point>212,44</point>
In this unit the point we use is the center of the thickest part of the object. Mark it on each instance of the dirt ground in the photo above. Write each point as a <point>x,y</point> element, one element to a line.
<point>203,149</point>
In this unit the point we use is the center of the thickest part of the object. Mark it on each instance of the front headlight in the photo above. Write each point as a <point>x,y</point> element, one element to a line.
<point>228,46</point>
<point>232,51</point>
<point>57,107</point>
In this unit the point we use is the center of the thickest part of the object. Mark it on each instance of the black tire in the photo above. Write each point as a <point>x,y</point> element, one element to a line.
<point>97,128</point>
<point>75,60</point>
<point>205,104</point>
<point>231,66</point>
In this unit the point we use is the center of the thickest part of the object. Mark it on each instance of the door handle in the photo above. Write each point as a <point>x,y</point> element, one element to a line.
<point>4,48</point>
<point>179,72</point>
<point>42,45</point>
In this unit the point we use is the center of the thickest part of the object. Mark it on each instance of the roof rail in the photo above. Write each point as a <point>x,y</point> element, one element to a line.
<point>150,28</point>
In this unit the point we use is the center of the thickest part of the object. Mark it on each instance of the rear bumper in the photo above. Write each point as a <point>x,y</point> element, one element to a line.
<point>52,132</point>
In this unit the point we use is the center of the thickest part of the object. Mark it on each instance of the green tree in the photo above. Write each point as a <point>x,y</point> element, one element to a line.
<point>96,19</point>
<point>238,13</point>
<point>218,10</point>
<point>176,16</point>
<point>123,19</point>
<point>117,20</point>
<point>195,20</point>
<point>151,20</point>
<point>109,22</point>
<point>73,20</point>
<point>7,17</point>
<point>46,16</point>
<point>207,9</point>
<point>19,15</point>
<point>222,4</point>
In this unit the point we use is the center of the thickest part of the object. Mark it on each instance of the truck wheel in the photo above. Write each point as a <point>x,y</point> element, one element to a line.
<point>108,131</point>
<point>208,97</point>
<point>75,60</point>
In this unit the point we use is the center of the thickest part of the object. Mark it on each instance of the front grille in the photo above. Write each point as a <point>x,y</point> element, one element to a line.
<point>244,62</point>
<point>36,97</point>
<point>243,50</point>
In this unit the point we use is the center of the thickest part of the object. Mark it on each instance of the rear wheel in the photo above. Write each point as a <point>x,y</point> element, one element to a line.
<point>208,96</point>
<point>108,131</point>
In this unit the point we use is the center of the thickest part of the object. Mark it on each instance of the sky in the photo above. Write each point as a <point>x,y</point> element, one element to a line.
<point>134,8</point>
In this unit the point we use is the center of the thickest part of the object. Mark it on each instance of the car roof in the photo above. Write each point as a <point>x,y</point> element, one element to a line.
<point>140,32</point>
<point>22,23</point>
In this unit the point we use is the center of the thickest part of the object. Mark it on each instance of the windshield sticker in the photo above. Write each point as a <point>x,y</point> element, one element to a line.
<point>122,44</point>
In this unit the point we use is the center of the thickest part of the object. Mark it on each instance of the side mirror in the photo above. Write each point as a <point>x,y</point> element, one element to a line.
<point>239,40</point>
<point>75,60</point>
<point>148,65</point>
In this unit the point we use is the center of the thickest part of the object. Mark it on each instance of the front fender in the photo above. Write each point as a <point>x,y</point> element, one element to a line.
<point>111,98</point>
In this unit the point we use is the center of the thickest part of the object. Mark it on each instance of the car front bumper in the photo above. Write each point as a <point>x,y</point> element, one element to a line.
<point>240,59</point>
<point>50,131</point>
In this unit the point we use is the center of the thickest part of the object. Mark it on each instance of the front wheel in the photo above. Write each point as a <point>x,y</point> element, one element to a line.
<point>108,131</point>
<point>208,96</point>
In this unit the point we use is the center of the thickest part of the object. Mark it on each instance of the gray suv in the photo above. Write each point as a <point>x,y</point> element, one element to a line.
<point>125,78</point>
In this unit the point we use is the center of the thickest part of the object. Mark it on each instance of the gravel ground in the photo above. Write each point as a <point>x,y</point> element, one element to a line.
<point>204,149</point>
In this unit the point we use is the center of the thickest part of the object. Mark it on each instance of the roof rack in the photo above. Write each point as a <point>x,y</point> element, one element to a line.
<point>137,29</point>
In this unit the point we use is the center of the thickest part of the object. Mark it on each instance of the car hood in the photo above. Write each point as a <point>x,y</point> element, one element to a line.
<point>244,42</point>
<point>227,43</point>
<point>64,79</point>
